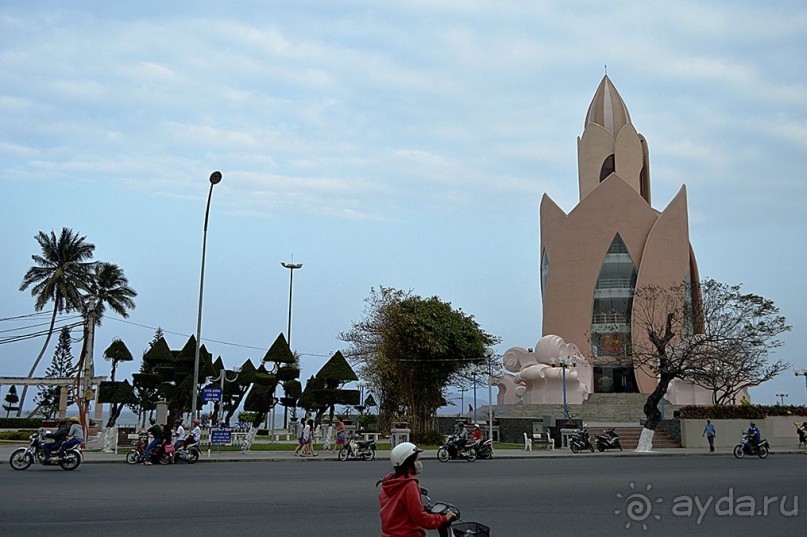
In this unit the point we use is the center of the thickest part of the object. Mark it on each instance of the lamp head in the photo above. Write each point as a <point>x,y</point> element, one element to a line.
<point>215,178</point>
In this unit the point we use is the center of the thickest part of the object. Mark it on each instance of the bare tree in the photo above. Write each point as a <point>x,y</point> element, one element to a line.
<point>690,332</point>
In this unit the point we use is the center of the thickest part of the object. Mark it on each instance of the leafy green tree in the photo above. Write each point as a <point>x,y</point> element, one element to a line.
<point>410,349</point>
<point>261,398</point>
<point>117,394</point>
<point>117,352</point>
<point>11,400</point>
<point>686,331</point>
<point>61,366</point>
<point>109,287</point>
<point>325,390</point>
<point>62,272</point>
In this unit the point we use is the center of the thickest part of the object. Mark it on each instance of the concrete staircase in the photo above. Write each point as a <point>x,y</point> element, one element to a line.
<point>623,411</point>
<point>629,437</point>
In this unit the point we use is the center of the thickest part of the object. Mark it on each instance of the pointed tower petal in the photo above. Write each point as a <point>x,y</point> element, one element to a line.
<point>607,109</point>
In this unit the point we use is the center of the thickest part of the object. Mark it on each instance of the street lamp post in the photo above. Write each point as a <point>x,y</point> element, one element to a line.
<point>474,377</point>
<point>802,373</point>
<point>781,397</point>
<point>215,178</point>
<point>291,266</point>
<point>489,355</point>
<point>563,363</point>
<point>223,378</point>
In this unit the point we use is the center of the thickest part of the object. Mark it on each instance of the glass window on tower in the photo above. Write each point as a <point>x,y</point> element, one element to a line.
<point>613,300</point>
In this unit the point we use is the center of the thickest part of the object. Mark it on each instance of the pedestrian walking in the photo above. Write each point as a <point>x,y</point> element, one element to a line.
<point>709,433</point>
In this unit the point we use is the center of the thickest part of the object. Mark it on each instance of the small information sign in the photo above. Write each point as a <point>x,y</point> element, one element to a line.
<point>221,437</point>
<point>211,394</point>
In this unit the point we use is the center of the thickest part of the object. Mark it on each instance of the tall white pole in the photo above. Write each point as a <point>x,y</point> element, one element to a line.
<point>215,178</point>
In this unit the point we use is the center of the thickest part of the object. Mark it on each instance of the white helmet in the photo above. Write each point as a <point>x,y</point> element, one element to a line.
<point>401,452</point>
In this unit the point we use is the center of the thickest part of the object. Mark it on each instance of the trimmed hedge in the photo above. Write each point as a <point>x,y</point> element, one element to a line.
<point>20,423</point>
<point>740,412</point>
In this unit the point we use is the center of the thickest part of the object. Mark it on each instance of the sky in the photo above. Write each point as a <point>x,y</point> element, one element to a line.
<point>398,144</point>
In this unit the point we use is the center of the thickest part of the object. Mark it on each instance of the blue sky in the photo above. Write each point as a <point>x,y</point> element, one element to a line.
<point>403,144</point>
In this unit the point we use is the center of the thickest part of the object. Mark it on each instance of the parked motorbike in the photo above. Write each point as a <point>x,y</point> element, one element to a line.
<point>22,458</point>
<point>745,448</point>
<point>357,449</point>
<point>580,441</point>
<point>459,528</point>
<point>484,449</point>
<point>609,439</point>
<point>450,451</point>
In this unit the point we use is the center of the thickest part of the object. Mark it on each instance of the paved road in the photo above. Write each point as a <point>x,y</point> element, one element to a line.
<point>536,496</point>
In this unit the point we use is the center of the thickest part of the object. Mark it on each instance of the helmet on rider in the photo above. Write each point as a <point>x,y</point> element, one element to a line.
<point>196,421</point>
<point>152,420</point>
<point>476,426</point>
<point>74,419</point>
<point>753,424</point>
<point>401,453</point>
<point>178,421</point>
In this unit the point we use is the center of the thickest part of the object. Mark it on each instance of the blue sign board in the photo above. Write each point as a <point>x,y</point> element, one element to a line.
<point>221,436</point>
<point>211,393</point>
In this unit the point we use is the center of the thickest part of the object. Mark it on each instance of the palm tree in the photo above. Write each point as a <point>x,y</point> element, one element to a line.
<point>61,273</point>
<point>110,288</point>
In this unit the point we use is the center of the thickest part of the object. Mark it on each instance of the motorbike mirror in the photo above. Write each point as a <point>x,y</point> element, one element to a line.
<point>424,491</point>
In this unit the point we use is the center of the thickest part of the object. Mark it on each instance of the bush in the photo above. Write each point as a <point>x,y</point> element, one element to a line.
<point>20,423</point>
<point>368,422</point>
<point>429,438</point>
<point>740,412</point>
<point>15,435</point>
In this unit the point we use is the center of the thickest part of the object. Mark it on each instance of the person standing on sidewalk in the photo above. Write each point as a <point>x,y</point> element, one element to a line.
<point>709,433</point>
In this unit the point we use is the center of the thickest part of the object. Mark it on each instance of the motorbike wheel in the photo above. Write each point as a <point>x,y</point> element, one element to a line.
<point>192,456</point>
<point>166,459</point>
<point>133,457</point>
<point>762,452</point>
<point>442,454</point>
<point>343,453</point>
<point>70,461</point>
<point>574,447</point>
<point>471,455</point>
<point>739,452</point>
<point>600,448</point>
<point>591,448</point>
<point>20,459</point>
<point>369,455</point>
<point>619,445</point>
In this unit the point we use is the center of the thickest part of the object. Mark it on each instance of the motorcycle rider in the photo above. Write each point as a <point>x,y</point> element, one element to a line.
<point>58,437</point>
<point>802,432</point>
<point>196,434</point>
<point>753,435</point>
<point>75,436</point>
<point>156,433</point>
<point>477,433</point>
<point>180,442</point>
<point>462,437</point>
<point>402,513</point>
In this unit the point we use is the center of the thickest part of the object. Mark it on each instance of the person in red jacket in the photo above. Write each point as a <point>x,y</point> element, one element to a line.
<point>402,513</point>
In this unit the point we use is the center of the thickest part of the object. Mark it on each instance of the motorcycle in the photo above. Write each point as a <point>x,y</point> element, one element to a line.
<point>458,527</point>
<point>745,448</point>
<point>189,454</point>
<point>450,450</point>
<point>22,458</point>
<point>138,452</point>
<point>609,439</point>
<point>580,441</point>
<point>357,449</point>
<point>484,449</point>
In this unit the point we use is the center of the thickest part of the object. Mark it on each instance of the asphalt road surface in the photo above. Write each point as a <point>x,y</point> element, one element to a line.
<point>583,495</point>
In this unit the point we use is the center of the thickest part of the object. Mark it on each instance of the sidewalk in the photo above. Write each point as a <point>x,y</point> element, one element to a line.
<point>94,456</point>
